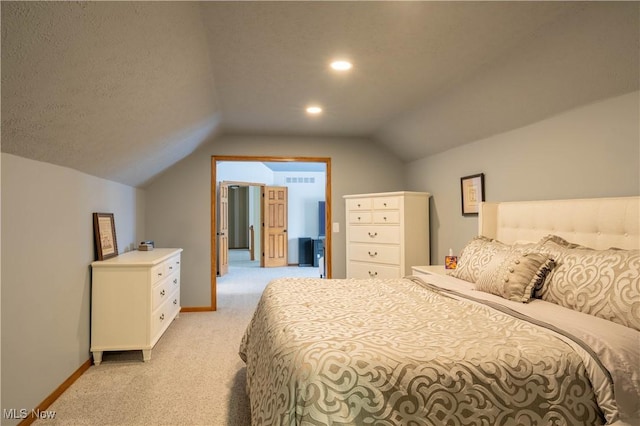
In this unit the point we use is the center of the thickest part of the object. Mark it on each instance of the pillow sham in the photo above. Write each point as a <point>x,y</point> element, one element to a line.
<point>561,242</point>
<point>514,274</point>
<point>475,256</point>
<point>603,283</point>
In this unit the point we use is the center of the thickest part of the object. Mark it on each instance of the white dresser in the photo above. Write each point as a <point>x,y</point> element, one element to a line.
<point>134,298</point>
<point>387,233</point>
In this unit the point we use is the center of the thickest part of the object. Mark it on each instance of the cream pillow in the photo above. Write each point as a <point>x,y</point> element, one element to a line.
<point>514,274</point>
<point>475,256</point>
<point>603,283</point>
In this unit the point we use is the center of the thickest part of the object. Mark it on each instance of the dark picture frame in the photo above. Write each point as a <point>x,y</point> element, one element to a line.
<point>472,193</point>
<point>104,228</point>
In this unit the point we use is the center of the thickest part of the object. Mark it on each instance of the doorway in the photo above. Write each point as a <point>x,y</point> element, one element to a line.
<point>214,213</point>
<point>239,215</point>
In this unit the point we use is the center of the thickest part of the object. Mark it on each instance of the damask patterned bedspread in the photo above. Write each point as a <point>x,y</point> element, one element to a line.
<point>392,352</point>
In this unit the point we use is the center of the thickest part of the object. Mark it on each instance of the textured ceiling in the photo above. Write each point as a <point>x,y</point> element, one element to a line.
<point>123,90</point>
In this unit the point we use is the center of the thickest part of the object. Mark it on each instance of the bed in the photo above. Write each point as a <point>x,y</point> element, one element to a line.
<point>538,325</point>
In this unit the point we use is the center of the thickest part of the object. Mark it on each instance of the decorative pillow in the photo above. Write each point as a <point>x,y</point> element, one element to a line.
<point>561,242</point>
<point>475,256</point>
<point>514,274</point>
<point>603,283</point>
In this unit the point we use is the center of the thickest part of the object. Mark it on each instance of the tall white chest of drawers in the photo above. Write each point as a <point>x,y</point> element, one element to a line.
<point>387,233</point>
<point>134,298</point>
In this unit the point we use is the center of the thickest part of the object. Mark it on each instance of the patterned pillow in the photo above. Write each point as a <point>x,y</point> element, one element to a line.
<point>475,256</point>
<point>603,283</point>
<point>561,242</point>
<point>514,274</point>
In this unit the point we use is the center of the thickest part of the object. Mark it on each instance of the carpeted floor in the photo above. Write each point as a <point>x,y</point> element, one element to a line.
<point>195,376</point>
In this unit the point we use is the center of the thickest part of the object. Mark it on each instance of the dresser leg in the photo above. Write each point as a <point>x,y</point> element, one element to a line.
<point>146,355</point>
<point>97,357</point>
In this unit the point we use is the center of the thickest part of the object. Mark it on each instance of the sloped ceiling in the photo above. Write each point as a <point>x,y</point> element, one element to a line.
<point>123,90</point>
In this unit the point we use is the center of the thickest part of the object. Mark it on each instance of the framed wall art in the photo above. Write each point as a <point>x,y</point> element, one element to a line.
<point>472,193</point>
<point>104,229</point>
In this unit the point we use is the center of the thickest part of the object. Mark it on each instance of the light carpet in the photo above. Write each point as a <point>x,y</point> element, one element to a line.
<point>195,376</point>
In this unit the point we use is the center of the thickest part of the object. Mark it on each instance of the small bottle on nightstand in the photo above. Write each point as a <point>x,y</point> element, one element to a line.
<point>451,261</point>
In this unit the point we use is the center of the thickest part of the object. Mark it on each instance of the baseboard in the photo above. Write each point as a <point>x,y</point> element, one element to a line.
<point>56,393</point>
<point>196,309</point>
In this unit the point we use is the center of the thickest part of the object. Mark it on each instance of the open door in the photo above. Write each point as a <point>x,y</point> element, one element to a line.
<point>223,229</point>
<point>274,236</point>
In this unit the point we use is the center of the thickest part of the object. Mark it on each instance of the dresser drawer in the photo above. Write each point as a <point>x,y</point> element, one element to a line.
<point>157,273</point>
<point>375,234</point>
<point>161,292</point>
<point>360,217</point>
<point>172,265</point>
<point>174,281</point>
<point>371,270</point>
<point>391,216</point>
<point>359,204</point>
<point>162,317</point>
<point>389,254</point>
<point>383,203</point>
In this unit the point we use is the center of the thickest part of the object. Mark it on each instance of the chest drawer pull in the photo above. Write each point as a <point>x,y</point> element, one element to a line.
<point>162,292</point>
<point>175,281</point>
<point>374,254</point>
<point>372,235</point>
<point>162,317</point>
<point>175,301</point>
<point>372,274</point>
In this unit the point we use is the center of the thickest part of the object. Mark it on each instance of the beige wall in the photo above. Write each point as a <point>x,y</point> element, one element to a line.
<point>178,202</point>
<point>591,151</point>
<point>47,247</point>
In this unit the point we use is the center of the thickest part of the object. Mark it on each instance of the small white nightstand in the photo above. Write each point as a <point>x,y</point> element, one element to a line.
<point>429,269</point>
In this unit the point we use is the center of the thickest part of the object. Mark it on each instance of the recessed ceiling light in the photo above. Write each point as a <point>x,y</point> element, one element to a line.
<point>314,110</point>
<point>341,65</point>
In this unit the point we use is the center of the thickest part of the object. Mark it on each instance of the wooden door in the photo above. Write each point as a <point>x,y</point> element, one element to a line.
<point>223,229</point>
<point>274,216</point>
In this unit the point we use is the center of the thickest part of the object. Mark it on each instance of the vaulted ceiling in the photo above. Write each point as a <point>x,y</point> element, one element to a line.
<point>123,90</point>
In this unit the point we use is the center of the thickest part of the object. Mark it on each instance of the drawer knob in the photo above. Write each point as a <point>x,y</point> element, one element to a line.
<point>162,317</point>
<point>159,274</point>
<point>358,204</point>
<point>385,204</point>
<point>384,218</point>
<point>175,301</point>
<point>372,274</point>
<point>170,267</point>
<point>162,293</point>
<point>374,254</point>
<point>175,281</point>
<point>375,234</point>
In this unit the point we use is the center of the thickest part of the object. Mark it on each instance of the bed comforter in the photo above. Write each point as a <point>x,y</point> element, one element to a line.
<point>402,352</point>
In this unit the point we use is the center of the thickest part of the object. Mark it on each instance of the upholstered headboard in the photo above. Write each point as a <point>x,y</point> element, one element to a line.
<point>599,223</point>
